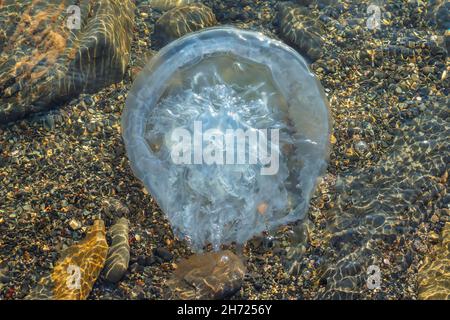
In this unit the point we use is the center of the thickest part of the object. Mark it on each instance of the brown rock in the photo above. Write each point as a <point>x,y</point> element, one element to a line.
<point>77,269</point>
<point>216,275</point>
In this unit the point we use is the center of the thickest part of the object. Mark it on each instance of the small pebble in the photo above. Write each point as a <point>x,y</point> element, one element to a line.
<point>74,224</point>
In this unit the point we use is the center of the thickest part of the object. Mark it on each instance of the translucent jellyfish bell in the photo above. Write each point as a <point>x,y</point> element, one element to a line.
<point>228,130</point>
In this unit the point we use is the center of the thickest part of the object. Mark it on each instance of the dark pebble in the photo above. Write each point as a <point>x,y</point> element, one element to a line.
<point>141,260</point>
<point>150,260</point>
<point>258,286</point>
<point>164,254</point>
<point>4,279</point>
<point>88,101</point>
<point>136,268</point>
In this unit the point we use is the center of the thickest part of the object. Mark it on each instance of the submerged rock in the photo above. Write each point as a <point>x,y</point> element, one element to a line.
<point>227,80</point>
<point>44,62</point>
<point>119,252</point>
<point>216,275</point>
<point>434,274</point>
<point>183,20</point>
<point>76,270</point>
<point>165,5</point>
<point>300,30</point>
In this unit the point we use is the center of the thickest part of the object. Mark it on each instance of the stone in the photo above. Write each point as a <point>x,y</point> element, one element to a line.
<point>164,254</point>
<point>300,30</point>
<point>43,63</point>
<point>119,252</point>
<point>74,224</point>
<point>77,269</point>
<point>181,21</point>
<point>228,79</point>
<point>215,275</point>
<point>141,260</point>
<point>165,5</point>
<point>149,261</point>
<point>434,274</point>
<point>305,3</point>
<point>4,278</point>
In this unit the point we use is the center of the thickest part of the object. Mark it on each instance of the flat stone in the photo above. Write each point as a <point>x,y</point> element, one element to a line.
<point>216,275</point>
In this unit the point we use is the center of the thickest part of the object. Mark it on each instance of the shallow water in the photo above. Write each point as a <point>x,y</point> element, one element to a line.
<point>382,203</point>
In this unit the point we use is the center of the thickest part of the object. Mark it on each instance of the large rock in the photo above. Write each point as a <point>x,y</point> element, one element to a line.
<point>214,275</point>
<point>77,269</point>
<point>119,253</point>
<point>43,62</point>
<point>165,5</point>
<point>181,21</point>
<point>299,30</point>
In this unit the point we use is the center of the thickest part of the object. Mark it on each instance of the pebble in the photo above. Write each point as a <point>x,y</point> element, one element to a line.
<point>141,260</point>
<point>435,218</point>
<point>434,237</point>
<point>149,261</point>
<point>163,253</point>
<point>361,147</point>
<point>74,224</point>
<point>4,277</point>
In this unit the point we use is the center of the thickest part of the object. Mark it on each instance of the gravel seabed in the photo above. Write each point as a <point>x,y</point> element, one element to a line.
<point>60,167</point>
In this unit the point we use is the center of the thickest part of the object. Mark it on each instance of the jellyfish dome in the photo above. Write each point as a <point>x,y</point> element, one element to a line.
<point>229,131</point>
